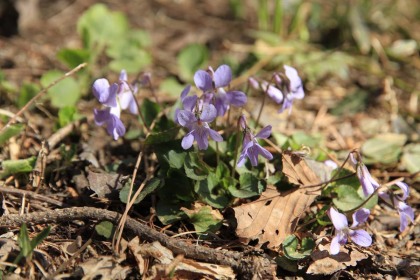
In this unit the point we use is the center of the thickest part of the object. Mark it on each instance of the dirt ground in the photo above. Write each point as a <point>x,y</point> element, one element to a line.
<point>28,48</point>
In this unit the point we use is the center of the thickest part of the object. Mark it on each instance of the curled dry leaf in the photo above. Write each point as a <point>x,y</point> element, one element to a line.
<point>182,266</point>
<point>275,214</point>
<point>326,264</point>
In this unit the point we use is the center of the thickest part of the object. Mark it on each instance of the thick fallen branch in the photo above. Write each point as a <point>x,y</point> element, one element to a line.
<point>244,265</point>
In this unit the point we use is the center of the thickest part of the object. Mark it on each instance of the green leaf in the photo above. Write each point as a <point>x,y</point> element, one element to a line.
<point>385,148</point>
<point>65,93</point>
<point>295,251</point>
<point>99,26</point>
<point>27,92</point>
<point>24,241</point>
<point>249,186</point>
<point>300,139</point>
<point>73,57</point>
<point>66,115</point>
<point>205,219</point>
<point>176,159</point>
<point>169,212</point>
<point>150,187</point>
<point>10,132</point>
<point>150,111</point>
<point>190,59</point>
<point>162,137</point>
<point>171,87</point>
<point>40,237</point>
<point>211,192</point>
<point>348,198</point>
<point>352,103</point>
<point>411,158</point>
<point>194,168</point>
<point>131,58</point>
<point>105,229</point>
<point>11,167</point>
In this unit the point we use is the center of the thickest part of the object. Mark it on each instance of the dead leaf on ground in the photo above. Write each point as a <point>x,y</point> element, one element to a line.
<point>104,267</point>
<point>326,264</point>
<point>184,268</point>
<point>275,214</point>
<point>103,184</point>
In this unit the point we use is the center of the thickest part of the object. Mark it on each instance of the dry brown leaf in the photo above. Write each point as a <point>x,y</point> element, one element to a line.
<point>326,264</point>
<point>184,266</point>
<point>103,184</point>
<point>104,267</point>
<point>275,214</point>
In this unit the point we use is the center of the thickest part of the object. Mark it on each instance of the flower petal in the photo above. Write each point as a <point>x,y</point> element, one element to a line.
<point>236,98</point>
<point>406,191</point>
<point>100,90</point>
<point>406,212</point>
<point>264,133</point>
<point>203,80</point>
<point>360,216</point>
<point>368,183</point>
<point>115,127</point>
<point>273,92</point>
<point>215,135</point>
<point>208,113</point>
<point>338,240</point>
<point>201,136</point>
<point>263,152</point>
<point>361,237</point>
<point>185,117</point>
<point>254,83</point>
<point>295,82</point>
<point>126,99</point>
<point>185,92</point>
<point>187,141</point>
<point>222,76</point>
<point>101,116</point>
<point>189,102</point>
<point>339,220</point>
<point>123,75</point>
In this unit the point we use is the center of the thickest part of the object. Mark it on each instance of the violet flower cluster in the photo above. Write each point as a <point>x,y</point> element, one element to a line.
<point>369,186</point>
<point>198,112</point>
<point>286,88</point>
<point>116,97</point>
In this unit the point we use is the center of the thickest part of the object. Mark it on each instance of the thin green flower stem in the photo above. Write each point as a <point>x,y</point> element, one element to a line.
<point>374,193</point>
<point>217,153</point>
<point>263,102</point>
<point>260,112</point>
<point>140,113</point>
<point>236,150</point>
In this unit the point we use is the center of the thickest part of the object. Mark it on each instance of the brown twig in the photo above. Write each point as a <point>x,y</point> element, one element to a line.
<point>245,266</point>
<point>33,196</point>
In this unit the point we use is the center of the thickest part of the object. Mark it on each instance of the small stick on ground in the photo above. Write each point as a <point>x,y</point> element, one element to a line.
<point>42,92</point>
<point>245,266</point>
<point>33,195</point>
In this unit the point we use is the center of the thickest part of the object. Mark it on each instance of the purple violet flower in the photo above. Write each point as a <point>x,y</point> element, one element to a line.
<point>126,94</point>
<point>291,86</point>
<point>212,84</point>
<point>198,125</point>
<point>369,185</point>
<point>343,231</point>
<point>250,146</point>
<point>114,97</point>
<point>406,212</point>
<point>287,87</point>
